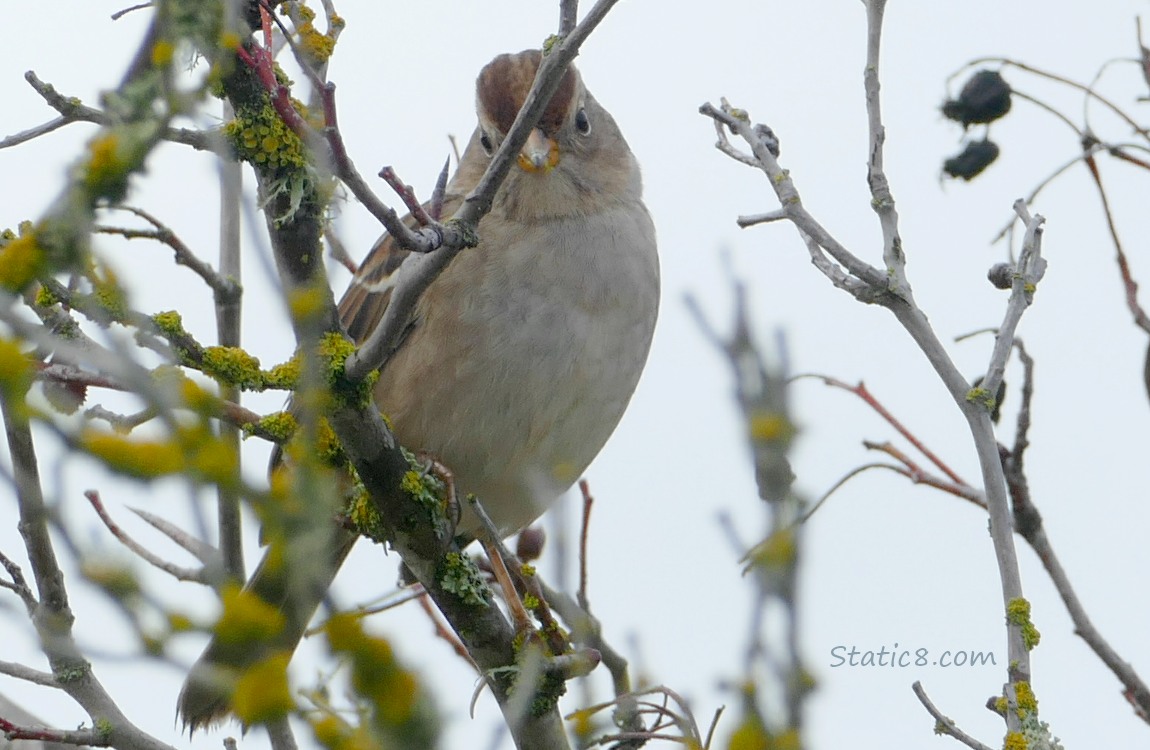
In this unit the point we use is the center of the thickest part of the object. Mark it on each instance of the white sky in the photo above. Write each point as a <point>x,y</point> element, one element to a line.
<point>885,563</point>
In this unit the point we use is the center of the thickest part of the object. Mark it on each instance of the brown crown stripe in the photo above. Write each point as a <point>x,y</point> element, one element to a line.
<point>503,85</point>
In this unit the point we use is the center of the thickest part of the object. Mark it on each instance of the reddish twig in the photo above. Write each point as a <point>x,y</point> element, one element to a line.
<point>584,533</point>
<point>92,737</point>
<point>261,61</point>
<point>444,632</point>
<point>343,168</point>
<point>1128,282</point>
<point>918,475</point>
<point>407,195</point>
<point>861,391</point>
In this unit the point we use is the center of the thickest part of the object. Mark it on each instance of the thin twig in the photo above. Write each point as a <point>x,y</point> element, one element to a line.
<point>943,723</point>
<point>862,392</point>
<point>177,572</point>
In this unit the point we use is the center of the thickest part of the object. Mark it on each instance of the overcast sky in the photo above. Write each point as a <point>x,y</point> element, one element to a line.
<point>885,562</point>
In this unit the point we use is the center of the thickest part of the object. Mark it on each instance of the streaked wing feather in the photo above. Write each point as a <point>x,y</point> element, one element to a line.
<point>363,304</point>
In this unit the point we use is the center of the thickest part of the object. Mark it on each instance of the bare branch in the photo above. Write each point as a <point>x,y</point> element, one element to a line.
<point>882,200</point>
<point>205,553</point>
<point>71,110</point>
<point>180,574</point>
<point>35,676</point>
<point>1029,271</point>
<point>79,737</point>
<point>943,723</point>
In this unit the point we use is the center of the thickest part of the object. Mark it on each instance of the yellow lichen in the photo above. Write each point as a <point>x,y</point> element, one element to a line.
<point>109,294</point>
<point>261,137</point>
<point>283,376</point>
<point>16,370</point>
<point>375,672</point>
<point>116,579</point>
<point>232,366</point>
<point>776,551</point>
<point>1024,696</point>
<point>214,460</point>
<point>146,459</point>
<point>280,425</point>
<point>44,297</point>
<point>1018,613</point>
<point>1014,741</point>
<point>107,169</point>
<point>770,427</point>
<point>21,260</point>
<point>246,617</point>
<point>162,52</point>
<point>262,693</point>
<point>334,349</point>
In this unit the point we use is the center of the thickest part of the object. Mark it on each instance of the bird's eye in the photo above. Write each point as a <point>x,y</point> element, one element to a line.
<point>485,141</point>
<point>582,124</point>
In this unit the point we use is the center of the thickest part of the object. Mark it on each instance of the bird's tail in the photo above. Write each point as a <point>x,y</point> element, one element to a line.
<point>292,579</point>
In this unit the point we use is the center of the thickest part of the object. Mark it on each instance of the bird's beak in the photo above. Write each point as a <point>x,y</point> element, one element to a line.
<point>539,154</point>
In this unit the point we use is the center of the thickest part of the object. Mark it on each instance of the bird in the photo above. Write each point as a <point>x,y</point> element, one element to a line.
<point>523,354</point>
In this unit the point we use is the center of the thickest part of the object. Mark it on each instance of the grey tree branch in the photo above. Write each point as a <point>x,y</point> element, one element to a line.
<point>229,316</point>
<point>944,724</point>
<point>71,110</point>
<point>882,200</point>
<point>891,290</point>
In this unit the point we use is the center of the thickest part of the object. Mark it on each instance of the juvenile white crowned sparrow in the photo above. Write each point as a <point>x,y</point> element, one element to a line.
<point>524,352</point>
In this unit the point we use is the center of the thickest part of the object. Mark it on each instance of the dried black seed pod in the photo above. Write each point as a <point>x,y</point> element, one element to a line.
<point>977,156</point>
<point>984,98</point>
<point>1001,275</point>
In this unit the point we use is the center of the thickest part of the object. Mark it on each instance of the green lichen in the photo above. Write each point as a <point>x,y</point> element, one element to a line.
<point>16,371</point>
<point>365,517</point>
<point>317,46</point>
<point>45,298</point>
<point>980,395</point>
<point>109,295</point>
<point>108,166</point>
<point>470,235</point>
<point>334,349</point>
<point>104,730</point>
<point>1014,741</point>
<point>1024,696</point>
<point>261,138</point>
<point>21,260</point>
<point>170,324</point>
<point>73,671</point>
<point>459,576</point>
<point>1018,613</point>
<point>328,448</point>
<point>233,366</point>
<point>280,426</point>
<point>283,376</point>
<point>427,490</point>
<point>548,691</point>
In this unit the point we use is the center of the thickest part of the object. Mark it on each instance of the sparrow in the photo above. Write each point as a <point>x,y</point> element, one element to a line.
<point>524,352</point>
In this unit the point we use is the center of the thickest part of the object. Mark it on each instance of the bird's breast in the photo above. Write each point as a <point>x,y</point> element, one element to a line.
<point>526,355</point>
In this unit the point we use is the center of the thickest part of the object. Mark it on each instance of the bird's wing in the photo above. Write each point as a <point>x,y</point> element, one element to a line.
<point>363,304</point>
